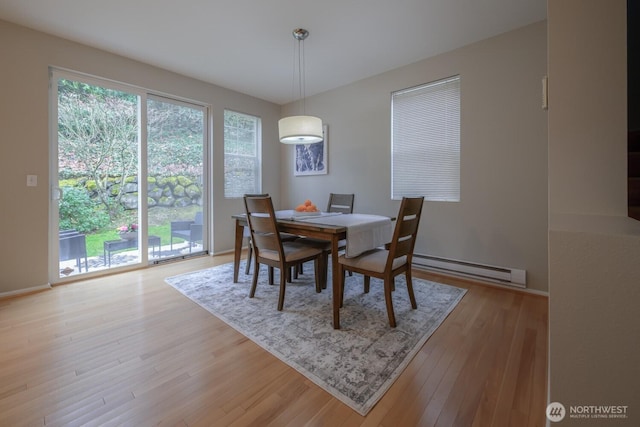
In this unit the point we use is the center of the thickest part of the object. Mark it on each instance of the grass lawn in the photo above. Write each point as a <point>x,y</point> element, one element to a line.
<point>95,245</point>
<point>159,225</point>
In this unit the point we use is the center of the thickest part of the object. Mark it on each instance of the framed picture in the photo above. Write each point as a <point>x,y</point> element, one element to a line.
<point>311,159</point>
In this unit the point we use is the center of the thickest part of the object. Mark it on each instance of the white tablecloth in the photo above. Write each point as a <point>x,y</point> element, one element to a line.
<point>364,231</point>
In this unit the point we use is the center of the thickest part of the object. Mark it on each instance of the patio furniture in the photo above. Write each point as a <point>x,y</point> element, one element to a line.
<point>190,231</point>
<point>73,245</point>
<point>111,246</point>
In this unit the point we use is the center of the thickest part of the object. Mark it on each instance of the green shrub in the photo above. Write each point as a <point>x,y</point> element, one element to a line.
<point>77,211</point>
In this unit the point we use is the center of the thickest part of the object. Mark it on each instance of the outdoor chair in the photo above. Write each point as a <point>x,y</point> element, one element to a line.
<point>386,264</point>
<point>190,231</point>
<point>269,249</point>
<point>73,245</point>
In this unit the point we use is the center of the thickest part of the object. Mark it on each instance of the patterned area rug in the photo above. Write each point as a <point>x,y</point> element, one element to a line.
<point>358,363</point>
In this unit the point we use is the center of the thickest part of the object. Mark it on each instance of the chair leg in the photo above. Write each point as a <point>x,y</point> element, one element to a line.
<point>254,282</point>
<point>412,297</point>
<point>367,283</point>
<point>318,273</point>
<point>387,299</point>
<point>283,284</point>
<point>271,275</point>
<point>341,278</point>
<point>325,269</point>
<point>249,255</point>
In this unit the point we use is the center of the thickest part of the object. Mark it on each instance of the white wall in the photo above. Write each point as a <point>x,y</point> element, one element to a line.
<point>502,216</point>
<point>24,147</point>
<point>594,249</point>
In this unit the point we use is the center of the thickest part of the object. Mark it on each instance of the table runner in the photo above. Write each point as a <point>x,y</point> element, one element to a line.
<point>364,231</point>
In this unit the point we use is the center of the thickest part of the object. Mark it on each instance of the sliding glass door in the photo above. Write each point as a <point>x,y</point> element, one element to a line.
<point>175,167</point>
<point>128,177</point>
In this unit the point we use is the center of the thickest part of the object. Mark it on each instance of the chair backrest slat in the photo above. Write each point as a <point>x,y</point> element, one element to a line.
<point>403,248</point>
<point>406,230</point>
<point>267,242</point>
<point>262,224</point>
<point>408,226</point>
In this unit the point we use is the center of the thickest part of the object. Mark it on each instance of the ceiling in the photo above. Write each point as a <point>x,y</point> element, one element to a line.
<point>247,46</point>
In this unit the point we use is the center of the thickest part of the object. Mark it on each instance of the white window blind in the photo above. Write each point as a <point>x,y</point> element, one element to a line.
<point>242,160</point>
<point>425,141</point>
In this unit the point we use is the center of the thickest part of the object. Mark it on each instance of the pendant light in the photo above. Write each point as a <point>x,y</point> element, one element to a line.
<point>300,129</point>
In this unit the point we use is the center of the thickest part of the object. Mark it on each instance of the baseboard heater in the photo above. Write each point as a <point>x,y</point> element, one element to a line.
<point>501,275</point>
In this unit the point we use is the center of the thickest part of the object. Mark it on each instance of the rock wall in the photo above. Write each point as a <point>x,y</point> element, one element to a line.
<point>172,191</point>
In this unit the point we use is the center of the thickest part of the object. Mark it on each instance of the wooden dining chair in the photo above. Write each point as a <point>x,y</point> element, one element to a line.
<point>342,203</point>
<point>286,237</point>
<point>386,264</point>
<point>269,249</point>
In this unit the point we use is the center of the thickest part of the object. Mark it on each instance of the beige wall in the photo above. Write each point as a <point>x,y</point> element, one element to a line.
<point>502,216</point>
<point>501,219</point>
<point>594,249</point>
<point>24,140</point>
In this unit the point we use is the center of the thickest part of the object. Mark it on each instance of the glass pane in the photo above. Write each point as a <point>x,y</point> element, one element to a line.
<point>175,162</point>
<point>97,176</point>
<point>241,158</point>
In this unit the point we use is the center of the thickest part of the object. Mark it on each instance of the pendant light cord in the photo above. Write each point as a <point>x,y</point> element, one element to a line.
<point>299,74</point>
<point>301,67</point>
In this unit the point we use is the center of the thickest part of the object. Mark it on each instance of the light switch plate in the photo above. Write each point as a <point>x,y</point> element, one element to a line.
<point>32,180</point>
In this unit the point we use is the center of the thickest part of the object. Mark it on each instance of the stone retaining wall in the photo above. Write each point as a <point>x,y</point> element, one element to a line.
<point>178,191</point>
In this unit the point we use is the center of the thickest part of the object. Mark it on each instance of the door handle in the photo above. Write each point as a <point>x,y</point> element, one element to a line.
<point>56,193</point>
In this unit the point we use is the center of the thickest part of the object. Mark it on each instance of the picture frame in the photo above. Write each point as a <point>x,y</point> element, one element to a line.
<point>312,159</point>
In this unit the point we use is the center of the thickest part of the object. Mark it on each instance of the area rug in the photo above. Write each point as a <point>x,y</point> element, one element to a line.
<point>357,363</point>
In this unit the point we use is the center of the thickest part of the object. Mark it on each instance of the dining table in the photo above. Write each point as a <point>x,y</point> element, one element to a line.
<point>369,231</point>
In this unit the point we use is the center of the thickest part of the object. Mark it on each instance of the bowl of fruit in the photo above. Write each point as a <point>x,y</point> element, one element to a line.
<point>305,209</point>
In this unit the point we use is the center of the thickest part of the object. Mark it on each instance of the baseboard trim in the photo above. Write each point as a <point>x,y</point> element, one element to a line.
<point>482,282</point>
<point>22,292</point>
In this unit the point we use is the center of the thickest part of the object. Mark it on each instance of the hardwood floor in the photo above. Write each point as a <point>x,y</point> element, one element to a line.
<point>128,349</point>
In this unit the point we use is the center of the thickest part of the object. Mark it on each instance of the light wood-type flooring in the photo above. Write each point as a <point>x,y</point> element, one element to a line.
<point>128,349</point>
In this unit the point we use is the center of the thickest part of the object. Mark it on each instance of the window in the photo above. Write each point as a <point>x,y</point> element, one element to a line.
<point>425,141</point>
<point>241,154</point>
